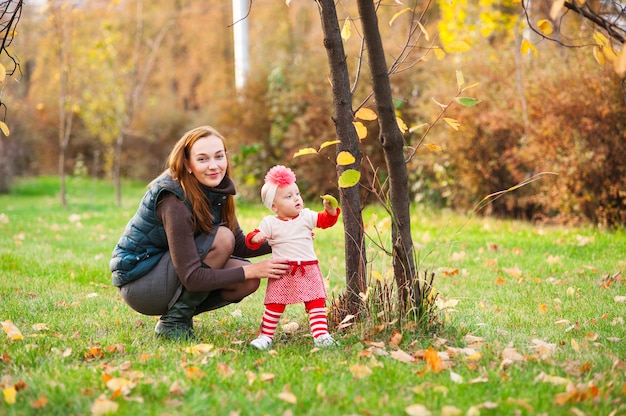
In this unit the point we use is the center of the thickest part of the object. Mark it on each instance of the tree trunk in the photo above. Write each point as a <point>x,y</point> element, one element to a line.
<point>393,147</point>
<point>346,134</point>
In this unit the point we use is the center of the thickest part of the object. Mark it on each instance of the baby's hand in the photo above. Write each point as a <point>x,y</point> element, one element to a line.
<point>328,207</point>
<point>258,238</point>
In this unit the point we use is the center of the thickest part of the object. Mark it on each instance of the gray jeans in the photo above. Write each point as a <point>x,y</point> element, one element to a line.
<point>155,292</point>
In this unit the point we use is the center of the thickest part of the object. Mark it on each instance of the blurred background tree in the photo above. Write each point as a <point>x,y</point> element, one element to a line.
<point>545,106</point>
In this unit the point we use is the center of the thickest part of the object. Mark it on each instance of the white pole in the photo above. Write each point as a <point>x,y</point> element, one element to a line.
<point>242,43</point>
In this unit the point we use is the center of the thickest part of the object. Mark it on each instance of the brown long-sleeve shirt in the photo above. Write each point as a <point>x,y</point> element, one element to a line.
<point>177,220</point>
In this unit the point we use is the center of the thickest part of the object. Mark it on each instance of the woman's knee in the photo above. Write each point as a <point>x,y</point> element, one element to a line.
<point>224,240</point>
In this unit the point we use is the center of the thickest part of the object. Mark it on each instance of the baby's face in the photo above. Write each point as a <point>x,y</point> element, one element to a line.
<point>287,202</point>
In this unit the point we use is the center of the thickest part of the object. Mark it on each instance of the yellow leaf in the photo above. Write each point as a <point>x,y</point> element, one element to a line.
<point>439,53</point>
<point>377,275</point>
<point>329,143</point>
<point>306,151</point>
<point>423,30</point>
<point>452,123</point>
<point>433,147</point>
<point>598,55</point>
<point>395,16</point>
<point>575,345</point>
<point>361,130</point>
<point>460,80</point>
<point>200,349</point>
<point>366,114</point>
<point>4,128</point>
<point>402,125</point>
<point>346,30</point>
<point>619,64</point>
<point>11,330</point>
<point>419,126</point>
<point>528,47</point>
<point>9,395</point>
<point>457,46</point>
<point>545,26</point>
<point>471,86</point>
<point>194,373</point>
<point>3,74</point>
<point>345,158</point>
<point>600,39</point>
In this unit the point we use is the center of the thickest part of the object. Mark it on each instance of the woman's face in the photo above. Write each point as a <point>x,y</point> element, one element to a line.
<point>207,161</point>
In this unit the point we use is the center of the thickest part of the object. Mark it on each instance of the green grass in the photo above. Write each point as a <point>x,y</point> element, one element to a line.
<point>538,291</point>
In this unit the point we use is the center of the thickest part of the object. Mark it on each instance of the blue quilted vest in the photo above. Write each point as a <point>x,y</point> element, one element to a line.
<point>144,241</point>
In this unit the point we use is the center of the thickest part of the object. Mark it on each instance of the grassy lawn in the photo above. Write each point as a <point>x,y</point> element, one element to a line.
<point>532,323</point>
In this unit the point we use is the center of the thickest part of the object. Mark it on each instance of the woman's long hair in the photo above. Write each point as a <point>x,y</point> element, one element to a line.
<point>191,187</point>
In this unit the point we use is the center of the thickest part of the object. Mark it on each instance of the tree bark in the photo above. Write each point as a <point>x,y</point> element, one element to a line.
<point>393,147</point>
<point>343,118</point>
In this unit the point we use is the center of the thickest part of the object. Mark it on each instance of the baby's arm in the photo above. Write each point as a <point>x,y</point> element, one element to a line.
<point>328,217</point>
<point>255,239</point>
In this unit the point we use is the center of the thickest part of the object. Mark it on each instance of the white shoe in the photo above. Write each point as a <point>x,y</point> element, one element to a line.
<point>325,340</point>
<point>262,342</point>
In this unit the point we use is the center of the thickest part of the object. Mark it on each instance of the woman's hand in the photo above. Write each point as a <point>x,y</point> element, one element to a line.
<point>270,268</point>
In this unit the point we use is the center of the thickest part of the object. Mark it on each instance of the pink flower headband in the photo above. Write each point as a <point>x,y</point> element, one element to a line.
<point>277,176</point>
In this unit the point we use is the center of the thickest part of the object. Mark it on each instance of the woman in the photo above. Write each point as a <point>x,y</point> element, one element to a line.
<point>183,252</point>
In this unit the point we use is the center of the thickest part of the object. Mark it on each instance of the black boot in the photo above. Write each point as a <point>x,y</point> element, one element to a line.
<point>177,323</point>
<point>211,302</point>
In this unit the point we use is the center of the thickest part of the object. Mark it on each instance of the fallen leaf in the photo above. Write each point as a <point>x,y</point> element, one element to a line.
<point>40,327</point>
<point>456,378</point>
<point>513,271</point>
<point>9,394</point>
<point>402,356</point>
<point>39,403</point>
<point>473,341</point>
<point>450,411</point>
<point>267,377</point>
<point>194,373</point>
<point>290,327</point>
<point>200,349</point>
<point>103,406</point>
<point>176,389</point>
<point>121,385</point>
<point>433,361</point>
<point>520,402</point>
<point>224,370</point>
<point>555,380</point>
<point>396,339</point>
<point>417,410</point>
<point>360,371</point>
<point>287,395</point>
<point>11,330</point>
